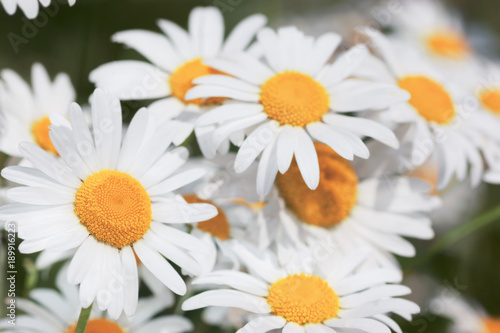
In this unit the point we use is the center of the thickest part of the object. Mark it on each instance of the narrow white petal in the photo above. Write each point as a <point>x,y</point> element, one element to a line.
<point>227,298</point>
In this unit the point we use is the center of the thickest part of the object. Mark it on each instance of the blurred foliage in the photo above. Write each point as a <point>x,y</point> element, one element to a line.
<point>76,40</point>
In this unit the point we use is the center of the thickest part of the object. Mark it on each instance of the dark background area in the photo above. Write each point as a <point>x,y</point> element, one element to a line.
<point>76,40</point>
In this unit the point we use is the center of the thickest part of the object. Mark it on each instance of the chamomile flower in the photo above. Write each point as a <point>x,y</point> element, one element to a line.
<point>57,312</point>
<point>177,58</point>
<point>30,8</point>
<point>351,212</point>
<point>437,111</point>
<point>111,200</point>
<point>308,299</point>
<point>434,30</point>
<point>25,110</point>
<point>466,316</point>
<point>238,205</point>
<point>294,99</point>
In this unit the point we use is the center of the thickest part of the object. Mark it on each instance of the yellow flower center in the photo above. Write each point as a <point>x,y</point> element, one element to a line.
<point>448,44</point>
<point>303,299</point>
<point>429,98</point>
<point>333,199</point>
<point>492,325</point>
<point>182,80</point>
<point>115,207</point>
<point>217,226</point>
<point>40,131</point>
<point>99,325</point>
<point>293,98</point>
<point>491,100</point>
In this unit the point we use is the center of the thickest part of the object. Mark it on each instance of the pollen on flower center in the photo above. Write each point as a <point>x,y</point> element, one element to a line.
<point>491,100</point>
<point>99,325</point>
<point>217,226</point>
<point>429,98</point>
<point>333,199</point>
<point>492,325</point>
<point>40,131</point>
<point>293,98</point>
<point>303,299</point>
<point>114,206</point>
<point>448,44</point>
<point>182,78</point>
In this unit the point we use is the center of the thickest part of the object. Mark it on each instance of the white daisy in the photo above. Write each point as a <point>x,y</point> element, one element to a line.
<point>177,59</point>
<point>57,312</point>
<point>239,209</point>
<point>30,8</point>
<point>348,212</point>
<point>466,316</point>
<point>308,299</point>
<point>110,200</point>
<point>293,100</point>
<point>437,111</point>
<point>435,31</point>
<point>25,111</point>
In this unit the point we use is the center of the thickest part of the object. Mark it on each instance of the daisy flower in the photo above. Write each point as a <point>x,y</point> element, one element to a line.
<point>111,200</point>
<point>308,299</point>
<point>30,8</point>
<point>466,316</point>
<point>294,99</point>
<point>435,31</point>
<point>177,58</point>
<point>350,212</point>
<point>25,111</point>
<point>57,312</point>
<point>437,111</point>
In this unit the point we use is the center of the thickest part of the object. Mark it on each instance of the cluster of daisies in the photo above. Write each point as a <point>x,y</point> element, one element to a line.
<point>319,160</point>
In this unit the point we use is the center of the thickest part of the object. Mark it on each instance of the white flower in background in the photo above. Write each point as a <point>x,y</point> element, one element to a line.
<point>111,200</point>
<point>292,101</point>
<point>30,8</point>
<point>466,317</point>
<point>25,111</point>
<point>177,58</point>
<point>239,210</point>
<point>348,212</point>
<point>438,111</point>
<point>308,299</point>
<point>57,312</point>
<point>436,32</point>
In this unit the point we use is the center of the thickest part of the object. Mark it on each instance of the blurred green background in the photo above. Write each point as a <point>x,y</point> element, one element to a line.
<point>76,40</point>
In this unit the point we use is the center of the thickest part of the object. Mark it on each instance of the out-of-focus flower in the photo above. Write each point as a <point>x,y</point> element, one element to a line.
<point>346,212</point>
<point>25,111</point>
<point>291,101</point>
<point>306,298</point>
<point>466,317</point>
<point>110,200</point>
<point>57,312</point>
<point>177,60</point>
<point>30,8</point>
<point>437,111</point>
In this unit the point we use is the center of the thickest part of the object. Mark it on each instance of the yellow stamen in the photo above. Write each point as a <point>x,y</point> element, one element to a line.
<point>303,299</point>
<point>333,199</point>
<point>99,325</point>
<point>429,98</point>
<point>492,325</point>
<point>40,131</point>
<point>491,100</point>
<point>293,98</point>
<point>182,80</point>
<point>448,44</point>
<point>217,226</point>
<point>115,207</point>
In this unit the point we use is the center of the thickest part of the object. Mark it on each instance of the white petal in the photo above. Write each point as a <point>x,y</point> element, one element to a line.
<point>176,181</point>
<point>364,324</point>
<point>227,112</point>
<point>307,158</point>
<point>206,91</point>
<point>237,280</point>
<point>263,324</point>
<point>330,137</point>
<point>227,298</point>
<point>183,212</point>
<point>344,66</point>
<point>243,33</point>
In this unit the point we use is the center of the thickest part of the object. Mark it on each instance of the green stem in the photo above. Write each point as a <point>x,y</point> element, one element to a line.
<point>81,325</point>
<point>459,233</point>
